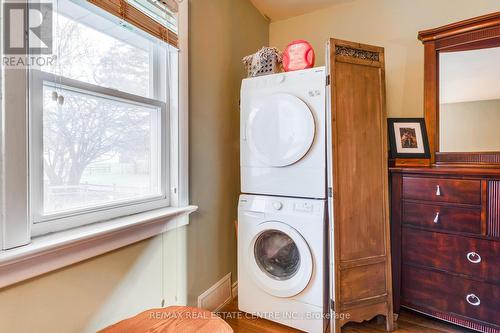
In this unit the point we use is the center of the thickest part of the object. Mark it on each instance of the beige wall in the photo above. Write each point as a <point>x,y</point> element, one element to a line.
<point>392,24</point>
<point>221,33</point>
<point>93,294</point>
<point>470,126</point>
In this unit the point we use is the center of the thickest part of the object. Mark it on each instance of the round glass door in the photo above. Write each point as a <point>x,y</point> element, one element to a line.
<point>282,262</point>
<point>277,255</point>
<point>280,130</point>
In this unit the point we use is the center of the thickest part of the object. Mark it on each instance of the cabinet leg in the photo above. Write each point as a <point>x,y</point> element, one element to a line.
<point>336,326</point>
<point>389,323</point>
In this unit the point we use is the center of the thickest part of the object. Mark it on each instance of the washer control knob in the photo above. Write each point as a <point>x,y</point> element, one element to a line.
<point>277,205</point>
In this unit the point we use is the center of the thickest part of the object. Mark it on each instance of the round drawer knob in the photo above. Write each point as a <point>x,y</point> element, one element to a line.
<point>474,257</point>
<point>277,205</point>
<point>473,300</point>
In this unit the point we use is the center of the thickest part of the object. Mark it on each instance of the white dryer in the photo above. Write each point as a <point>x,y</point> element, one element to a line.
<point>283,134</point>
<point>281,263</point>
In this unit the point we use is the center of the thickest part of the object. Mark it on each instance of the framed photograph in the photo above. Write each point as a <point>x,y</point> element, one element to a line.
<point>408,138</point>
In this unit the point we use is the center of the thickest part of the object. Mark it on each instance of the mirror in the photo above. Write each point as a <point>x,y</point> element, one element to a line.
<point>469,100</point>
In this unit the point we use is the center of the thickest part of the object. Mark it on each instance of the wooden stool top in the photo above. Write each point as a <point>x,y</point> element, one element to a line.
<point>173,319</point>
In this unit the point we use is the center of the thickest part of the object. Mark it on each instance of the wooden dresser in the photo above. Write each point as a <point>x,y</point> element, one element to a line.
<point>446,243</point>
<point>445,213</point>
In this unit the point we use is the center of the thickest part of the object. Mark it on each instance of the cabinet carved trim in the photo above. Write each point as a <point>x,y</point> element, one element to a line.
<point>494,209</point>
<point>484,159</point>
<point>356,53</point>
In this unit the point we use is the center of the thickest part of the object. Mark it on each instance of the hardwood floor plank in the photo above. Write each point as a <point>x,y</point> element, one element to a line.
<point>408,322</point>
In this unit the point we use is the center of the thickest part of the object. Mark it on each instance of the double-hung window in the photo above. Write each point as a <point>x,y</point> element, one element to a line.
<point>99,122</point>
<point>96,131</point>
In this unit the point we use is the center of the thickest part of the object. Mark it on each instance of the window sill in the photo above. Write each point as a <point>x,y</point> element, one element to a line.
<point>54,251</point>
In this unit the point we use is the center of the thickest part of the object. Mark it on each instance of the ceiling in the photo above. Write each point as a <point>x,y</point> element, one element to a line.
<point>282,9</point>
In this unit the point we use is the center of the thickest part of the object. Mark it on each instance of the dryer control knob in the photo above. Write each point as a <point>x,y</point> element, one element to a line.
<point>280,78</point>
<point>277,205</point>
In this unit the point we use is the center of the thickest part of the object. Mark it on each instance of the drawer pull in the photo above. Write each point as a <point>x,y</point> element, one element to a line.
<point>474,257</point>
<point>436,219</point>
<point>473,300</point>
<point>438,190</point>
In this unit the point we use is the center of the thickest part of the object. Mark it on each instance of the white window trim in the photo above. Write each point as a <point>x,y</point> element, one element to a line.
<point>14,215</point>
<point>51,252</point>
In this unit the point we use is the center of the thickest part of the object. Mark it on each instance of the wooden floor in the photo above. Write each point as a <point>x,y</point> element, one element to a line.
<point>408,322</point>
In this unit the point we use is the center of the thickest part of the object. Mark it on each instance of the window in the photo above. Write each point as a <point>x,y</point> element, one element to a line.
<point>99,122</point>
<point>98,136</point>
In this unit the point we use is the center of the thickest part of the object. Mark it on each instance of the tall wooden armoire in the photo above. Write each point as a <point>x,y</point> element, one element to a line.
<point>361,286</point>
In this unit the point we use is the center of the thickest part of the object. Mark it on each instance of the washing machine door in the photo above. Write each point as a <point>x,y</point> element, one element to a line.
<point>280,130</point>
<point>282,261</point>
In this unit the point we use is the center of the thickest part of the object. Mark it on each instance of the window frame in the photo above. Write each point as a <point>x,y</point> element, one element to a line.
<point>160,90</point>
<point>15,226</point>
<point>42,224</point>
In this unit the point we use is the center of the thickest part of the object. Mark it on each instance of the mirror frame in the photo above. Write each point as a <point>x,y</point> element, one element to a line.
<point>472,34</point>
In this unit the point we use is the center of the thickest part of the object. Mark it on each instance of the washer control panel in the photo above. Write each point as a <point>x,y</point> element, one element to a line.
<point>305,207</point>
<point>280,205</point>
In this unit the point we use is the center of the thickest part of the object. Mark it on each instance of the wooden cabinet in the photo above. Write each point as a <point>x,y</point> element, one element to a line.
<point>361,263</point>
<point>446,245</point>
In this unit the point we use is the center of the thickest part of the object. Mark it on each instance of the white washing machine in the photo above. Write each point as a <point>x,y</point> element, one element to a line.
<point>281,263</point>
<point>282,135</point>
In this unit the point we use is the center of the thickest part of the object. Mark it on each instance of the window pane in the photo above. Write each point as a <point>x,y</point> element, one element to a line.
<point>98,151</point>
<point>97,50</point>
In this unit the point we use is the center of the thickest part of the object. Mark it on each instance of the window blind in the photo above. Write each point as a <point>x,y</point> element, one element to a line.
<point>162,11</point>
<point>156,17</point>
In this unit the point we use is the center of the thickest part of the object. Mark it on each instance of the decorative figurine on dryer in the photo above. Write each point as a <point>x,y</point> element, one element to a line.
<point>298,55</point>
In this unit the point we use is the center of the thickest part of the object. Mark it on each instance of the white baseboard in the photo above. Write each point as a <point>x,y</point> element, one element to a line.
<point>217,296</point>
<point>234,290</point>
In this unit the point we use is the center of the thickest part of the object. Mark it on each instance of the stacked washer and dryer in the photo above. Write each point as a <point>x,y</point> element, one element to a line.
<point>282,234</point>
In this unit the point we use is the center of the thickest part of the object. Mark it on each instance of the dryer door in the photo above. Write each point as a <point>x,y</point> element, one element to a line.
<point>280,130</point>
<point>282,261</point>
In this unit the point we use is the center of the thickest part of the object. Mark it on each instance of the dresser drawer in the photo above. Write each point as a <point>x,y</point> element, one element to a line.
<point>442,190</point>
<point>470,256</point>
<point>447,293</point>
<point>442,217</point>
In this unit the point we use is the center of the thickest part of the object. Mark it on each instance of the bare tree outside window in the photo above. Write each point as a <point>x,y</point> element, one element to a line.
<point>98,150</point>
